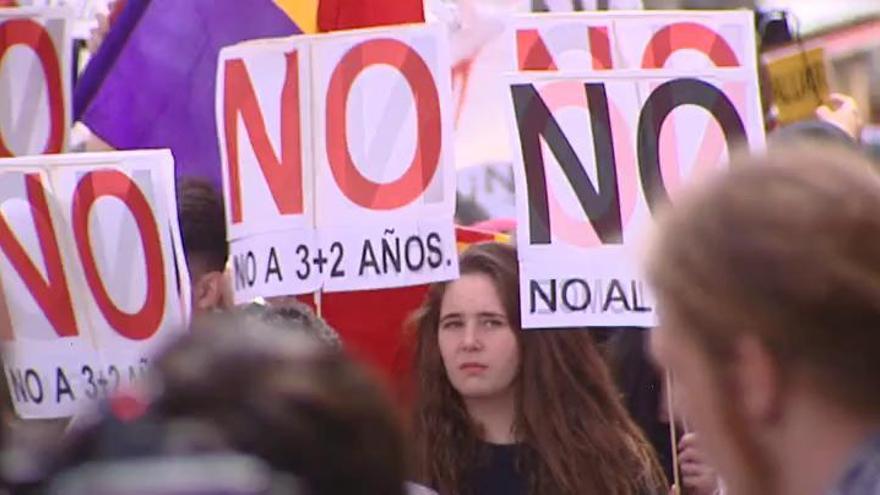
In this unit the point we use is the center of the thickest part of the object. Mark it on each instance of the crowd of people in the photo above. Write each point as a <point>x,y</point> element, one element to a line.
<point>768,283</point>
<point>761,378</point>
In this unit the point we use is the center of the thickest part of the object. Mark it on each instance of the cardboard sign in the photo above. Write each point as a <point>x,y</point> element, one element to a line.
<point>488,48</point>
<point>263,114</point>
<point>385,178</point>
<point>362,195</point>
<point>35,79</point>
<point>596,157</point>
<point>677,40</point>
<point>92,272</point>
<point>800,84</point>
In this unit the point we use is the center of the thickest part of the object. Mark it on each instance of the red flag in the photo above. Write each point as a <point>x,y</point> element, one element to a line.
<point>334,15</point>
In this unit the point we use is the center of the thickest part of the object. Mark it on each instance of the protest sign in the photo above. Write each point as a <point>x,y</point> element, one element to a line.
<point>385,179</point>
<point>486,41</point>
<point>265,129</point>
<point>480,57</point>
<point>35,79</point>
<point>596,156</point>
<point>93,274</point>
<point>368,180</point>
<point>800,84</point>
<point>683,40</point>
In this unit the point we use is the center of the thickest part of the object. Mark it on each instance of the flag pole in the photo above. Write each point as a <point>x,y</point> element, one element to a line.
<point>319,306</point>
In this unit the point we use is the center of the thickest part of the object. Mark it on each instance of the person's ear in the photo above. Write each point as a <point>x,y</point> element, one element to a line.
<point>758,380</point>
<point>208,291</point>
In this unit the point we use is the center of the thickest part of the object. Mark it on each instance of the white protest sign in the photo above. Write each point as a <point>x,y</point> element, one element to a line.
<point>361,123</point>
<point>677,89</point>
<point>35,80</point>
<point>264,116</point>
<point>83,12</point>
<point>579,42</point>
<point>676,40</point>
<point>596,156</point>
<point>92,271</point>
<point>383,148</point>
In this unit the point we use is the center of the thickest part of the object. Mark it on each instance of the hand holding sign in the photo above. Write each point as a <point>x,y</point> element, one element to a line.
<point>843,112</point>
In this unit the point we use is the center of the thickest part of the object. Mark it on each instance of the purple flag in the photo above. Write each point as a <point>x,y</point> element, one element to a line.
<point>152,82</point>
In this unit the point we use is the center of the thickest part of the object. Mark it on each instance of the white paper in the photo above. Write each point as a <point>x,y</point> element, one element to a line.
<point>35,80</point>
<point>130,308</point>
<point>376,154</point>
<point>600,255</point>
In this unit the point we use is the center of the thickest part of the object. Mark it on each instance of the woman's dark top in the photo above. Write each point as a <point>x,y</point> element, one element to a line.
<point>498,474</point>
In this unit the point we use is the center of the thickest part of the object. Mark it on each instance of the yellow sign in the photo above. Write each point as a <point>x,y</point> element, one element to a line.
<point>800,84</point>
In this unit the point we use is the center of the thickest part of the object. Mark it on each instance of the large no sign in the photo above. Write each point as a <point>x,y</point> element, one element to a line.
<point>610,115</point>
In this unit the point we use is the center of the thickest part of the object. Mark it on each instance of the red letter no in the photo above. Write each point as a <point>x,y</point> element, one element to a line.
<point>51,294</point>
<point>284,177</point>
<point>28,33</point>
<point>415,180</point>
<point>145,322</point>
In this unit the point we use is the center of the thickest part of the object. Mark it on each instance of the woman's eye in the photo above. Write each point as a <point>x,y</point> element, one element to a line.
<point>450,325</point>
<point>493,323</point>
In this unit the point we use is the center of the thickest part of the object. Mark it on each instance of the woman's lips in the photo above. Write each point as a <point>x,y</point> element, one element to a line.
<point>472,367</point>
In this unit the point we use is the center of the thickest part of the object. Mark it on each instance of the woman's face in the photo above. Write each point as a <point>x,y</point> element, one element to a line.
<point>479,349</point>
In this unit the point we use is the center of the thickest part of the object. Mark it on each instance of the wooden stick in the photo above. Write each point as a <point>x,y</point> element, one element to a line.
<point>672,434</point>
<point>319,307</point>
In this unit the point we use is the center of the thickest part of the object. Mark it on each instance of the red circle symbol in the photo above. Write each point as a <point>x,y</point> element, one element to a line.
<point>145,322</point>
<point>682,35</point>
<point>409,186</point>
<point>31,34</point>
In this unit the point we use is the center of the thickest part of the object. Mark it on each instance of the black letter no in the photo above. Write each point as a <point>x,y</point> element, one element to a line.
<point>663,100</point>
<point>601,204</point>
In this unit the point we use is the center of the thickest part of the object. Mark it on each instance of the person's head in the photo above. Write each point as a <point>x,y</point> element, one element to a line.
<point>470,346</point>
<point>292,314</point>
<point>767,279</point>
<point>300,405</point>
<point>203,229</point>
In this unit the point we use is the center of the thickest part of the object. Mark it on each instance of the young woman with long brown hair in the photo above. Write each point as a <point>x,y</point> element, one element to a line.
<point>501,410</point>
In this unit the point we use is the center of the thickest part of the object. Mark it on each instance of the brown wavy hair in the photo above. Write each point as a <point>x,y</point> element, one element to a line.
<point>576,436</point>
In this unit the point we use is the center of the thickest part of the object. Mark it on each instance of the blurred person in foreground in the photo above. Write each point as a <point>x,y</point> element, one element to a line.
<point>767,280</point>
<point>284,397</point>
